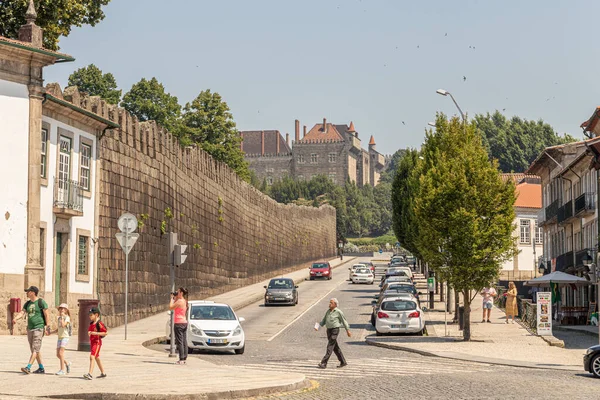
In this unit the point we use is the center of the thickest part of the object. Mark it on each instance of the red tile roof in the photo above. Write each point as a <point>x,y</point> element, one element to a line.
<point>351,129</point>
<point>529,195</point>
<point>372,141</point>
<point>317,133</point>
<point>251,142</point>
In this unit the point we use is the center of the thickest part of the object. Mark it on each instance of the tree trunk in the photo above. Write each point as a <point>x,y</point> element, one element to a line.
<point>449,299</point>
<point>456,304</point>
<point>437,283</point>
<point>441,291</point>
<point>467,315</point>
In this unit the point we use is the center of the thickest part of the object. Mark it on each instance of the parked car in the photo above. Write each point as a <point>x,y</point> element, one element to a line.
<point>369,264</point>
<point>386,295</point>
<point>393,278</point>
<point>395,273</point>
<point>399,315</point>
<point>320,269</point>
<point>591,360</point>
<point>281,291</point>
<point>363,275</point>
<point>354,268</point>
<point>213,326</point>
<point>400,287</point>
<point>394,269</point>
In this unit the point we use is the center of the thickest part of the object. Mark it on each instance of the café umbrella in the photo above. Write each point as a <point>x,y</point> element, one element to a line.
<point>559,278</point>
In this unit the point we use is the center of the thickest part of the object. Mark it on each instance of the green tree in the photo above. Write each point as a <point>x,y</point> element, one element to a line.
<point>90,79</point>
<point>516,142</point>
<point>404,192</point>
<point>208,122</point>
<point>387,176</point>
<point>56,17</point>
<point>464,210</point>
<point>147,100</point>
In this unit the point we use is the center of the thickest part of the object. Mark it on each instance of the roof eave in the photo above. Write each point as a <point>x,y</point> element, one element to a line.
<point>58,56</point>
<point>109,124</point>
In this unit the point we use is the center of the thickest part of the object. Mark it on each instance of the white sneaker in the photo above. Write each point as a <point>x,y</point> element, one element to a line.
<point>61,372</point>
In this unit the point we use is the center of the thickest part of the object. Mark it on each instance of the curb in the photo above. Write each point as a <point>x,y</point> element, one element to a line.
<point>483,360</point>
<point>229,394</point>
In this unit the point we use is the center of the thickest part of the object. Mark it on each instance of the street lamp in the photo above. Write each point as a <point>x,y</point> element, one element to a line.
<point>431,124</point>
<point>447,93</point>
<point>588,262</point>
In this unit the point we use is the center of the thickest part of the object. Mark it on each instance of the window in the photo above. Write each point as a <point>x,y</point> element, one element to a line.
<point>314,158</point>
<point>539,238</point>
<point>285,172</point>
<point>64,161</point>
<point>270,170</point>
<point>525,231</point>
<point>44,152</point>
<point>332,157</point>
<point>300,158</point>
<point>332,176</point>
<point>82,255</point>
<point>300,177</point>
<point>269,180</point>
<point>84,174</point>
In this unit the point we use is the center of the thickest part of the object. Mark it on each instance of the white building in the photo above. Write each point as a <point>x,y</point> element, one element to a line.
<point>48,203</point>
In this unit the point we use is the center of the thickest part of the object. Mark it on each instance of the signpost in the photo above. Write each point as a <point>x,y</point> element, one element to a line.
<point>127,224</point>
<point>431,288</point>
<point>544,314</point>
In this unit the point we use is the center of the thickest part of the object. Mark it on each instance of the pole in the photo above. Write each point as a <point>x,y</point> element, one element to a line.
<point>172,242</point>
<point>126,282</point>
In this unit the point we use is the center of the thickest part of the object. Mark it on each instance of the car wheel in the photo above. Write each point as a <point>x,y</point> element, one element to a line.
<point>296,300</point>
<point>378,333</point>
<point>240,351</point>
<point>311,278</point>
<point>372,320</point>
<point>595,366</point>
<point>330,277</point>
<point>266,304</point>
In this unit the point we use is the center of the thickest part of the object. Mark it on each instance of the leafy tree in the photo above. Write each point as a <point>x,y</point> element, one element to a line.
<point>148,100</point>
<point>515,143</point>
<point>404,191</point>
<point>464,210</point>
<point>90,79</point>
<point>208,122</point>
<point>56,17</point>
<point>387,176</point>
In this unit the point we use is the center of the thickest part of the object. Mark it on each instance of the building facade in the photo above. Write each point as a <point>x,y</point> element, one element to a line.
<point>333,150</point>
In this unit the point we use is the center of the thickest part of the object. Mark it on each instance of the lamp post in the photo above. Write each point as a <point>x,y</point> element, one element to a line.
<point>447,93</point>
<point>588,261</point>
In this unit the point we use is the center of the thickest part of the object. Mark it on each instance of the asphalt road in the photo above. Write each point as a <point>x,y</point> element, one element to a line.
<point>282,338</point>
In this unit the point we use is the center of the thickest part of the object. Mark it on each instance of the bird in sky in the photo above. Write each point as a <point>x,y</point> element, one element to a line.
<point>417,46</point>
<point>446,34</point>
<point>403,123</point>
<point>464,78</point>
<point>504,109</point>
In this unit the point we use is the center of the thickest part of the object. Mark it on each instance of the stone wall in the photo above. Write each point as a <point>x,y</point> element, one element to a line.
<point>236,236</point>
<point>307,169</point>
<point>273,166</point>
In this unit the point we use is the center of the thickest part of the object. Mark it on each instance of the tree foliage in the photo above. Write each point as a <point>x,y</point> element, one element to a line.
<point>516,142</point>
<point>147,100</point>
<point>91,80</point>
<point>208,122</point>
<point>56,17</point>
<point>403,196</point>
<point>392,166</point>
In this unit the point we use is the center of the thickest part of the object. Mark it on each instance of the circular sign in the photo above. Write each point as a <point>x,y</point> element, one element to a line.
<point>127,223</point>
<point>380,251</point>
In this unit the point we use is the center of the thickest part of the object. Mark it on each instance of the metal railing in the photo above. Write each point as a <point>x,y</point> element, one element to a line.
<point>552,210</point>
<point>580,254</point>
<point>565,212</point>
<point>68,194</point>
<point>564,261</point>
<point>586,203</point>
<point>541,217</point>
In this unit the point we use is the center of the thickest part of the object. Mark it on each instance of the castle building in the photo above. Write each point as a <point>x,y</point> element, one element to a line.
<point>333,150</point>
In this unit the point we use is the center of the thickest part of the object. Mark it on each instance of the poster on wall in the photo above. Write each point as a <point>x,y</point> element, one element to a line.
<point>544,313</point>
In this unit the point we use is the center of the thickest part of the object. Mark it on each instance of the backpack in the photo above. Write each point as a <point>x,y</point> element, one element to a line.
<point>40,305</point>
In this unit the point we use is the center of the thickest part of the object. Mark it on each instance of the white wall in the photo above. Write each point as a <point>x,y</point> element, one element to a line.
<point>525,251</point>
<point>14,134</point>
<point>84,222</point>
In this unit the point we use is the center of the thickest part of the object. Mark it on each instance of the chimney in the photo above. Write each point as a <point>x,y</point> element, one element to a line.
<point>304,132</point>
<point>297,127</point>
<point>262,142</point>
<point>287,140</point>
<point>278,136</point>
<point>30,32</point>
<point>324,125</point>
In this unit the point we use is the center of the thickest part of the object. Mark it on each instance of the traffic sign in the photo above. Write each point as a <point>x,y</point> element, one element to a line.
<point>431,284</point>
<point>380,251</point>
<point>127,240</point>
<point>127,223</point>
<point>397,244</point>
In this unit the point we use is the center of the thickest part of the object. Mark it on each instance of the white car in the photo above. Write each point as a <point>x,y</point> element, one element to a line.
<point>353,268</point>
<point>399,315</point>
<point>363,275</point>
<point>213,326</point>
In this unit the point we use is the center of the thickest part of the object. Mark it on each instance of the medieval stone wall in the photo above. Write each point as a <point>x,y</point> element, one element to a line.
<point>236,236</point>
<point>273,167</point>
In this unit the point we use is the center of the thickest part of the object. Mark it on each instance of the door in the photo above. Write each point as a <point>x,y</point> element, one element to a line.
<point>57,268</point>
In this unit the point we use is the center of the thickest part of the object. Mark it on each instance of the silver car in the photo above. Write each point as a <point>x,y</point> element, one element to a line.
<point>281,291</point>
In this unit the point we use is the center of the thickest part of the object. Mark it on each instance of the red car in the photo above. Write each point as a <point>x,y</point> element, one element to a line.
<point>320,269</point>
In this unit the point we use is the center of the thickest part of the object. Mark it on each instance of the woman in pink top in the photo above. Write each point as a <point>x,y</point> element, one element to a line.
<point>179,306</point>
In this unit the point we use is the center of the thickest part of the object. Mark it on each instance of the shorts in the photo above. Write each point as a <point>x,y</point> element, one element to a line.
<point>34,336</point>
<point>488,305</point>
<point>95,349</point>
<point>62,343</point>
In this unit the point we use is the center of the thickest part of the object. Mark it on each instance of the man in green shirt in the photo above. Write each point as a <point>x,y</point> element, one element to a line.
<point>36,310</point>
<point>333,320</point>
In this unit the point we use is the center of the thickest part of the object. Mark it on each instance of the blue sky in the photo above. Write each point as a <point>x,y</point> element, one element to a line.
<point>375,62</point>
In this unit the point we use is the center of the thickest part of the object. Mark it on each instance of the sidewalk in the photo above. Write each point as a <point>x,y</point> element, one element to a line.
<point>137,372</point>
<point>493,343</point>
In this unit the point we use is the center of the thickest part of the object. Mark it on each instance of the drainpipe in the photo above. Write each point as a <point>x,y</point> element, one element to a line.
<point>97,263</point>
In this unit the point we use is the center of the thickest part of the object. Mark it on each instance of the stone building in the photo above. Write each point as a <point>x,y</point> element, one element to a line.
<point>333,150</point>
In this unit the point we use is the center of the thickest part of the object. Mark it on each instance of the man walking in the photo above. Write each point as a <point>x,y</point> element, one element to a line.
<point>488,294</point>
<point>334,319</point>
<point>36,310</point>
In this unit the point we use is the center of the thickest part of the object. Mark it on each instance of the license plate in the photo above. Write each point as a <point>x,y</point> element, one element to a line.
<point>398,326</point>
<point>217,341</point>
<point>318,274</point>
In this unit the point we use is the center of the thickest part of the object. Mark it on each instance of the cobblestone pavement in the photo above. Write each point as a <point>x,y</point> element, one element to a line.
<point>388,374</point>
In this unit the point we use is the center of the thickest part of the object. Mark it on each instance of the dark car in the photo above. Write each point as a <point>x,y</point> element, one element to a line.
<point>320,269</point>
<point>591,360</point>
<point>281,291</point>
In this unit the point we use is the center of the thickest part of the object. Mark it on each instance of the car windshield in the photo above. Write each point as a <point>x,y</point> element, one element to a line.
<point>211,312</point>
<point>404,288</point>
<point>319,266</point>
<point>397,272</point>
<point>398,305</point>
<point>281,284</point>
<point>363,271</point>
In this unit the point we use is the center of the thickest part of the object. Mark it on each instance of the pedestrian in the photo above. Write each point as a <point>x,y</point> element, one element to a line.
<point>488,294</point>
<point>511,302</point>
<point>96,331</point>
<point>334,319</point>
<point>36,310</point>
<point>179,306</point>
<point>63,331</point>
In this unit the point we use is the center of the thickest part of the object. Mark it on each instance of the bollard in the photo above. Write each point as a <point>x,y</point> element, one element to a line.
<point>83,342</point>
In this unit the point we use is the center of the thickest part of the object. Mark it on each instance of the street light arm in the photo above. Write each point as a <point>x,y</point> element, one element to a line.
<point>457,106</point>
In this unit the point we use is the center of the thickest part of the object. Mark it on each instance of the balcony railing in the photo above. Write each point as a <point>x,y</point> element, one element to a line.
<point>68,197</point>
<point>541,217</point>
<point>585,204</point>
<point>564,261</point>
<point>552,210</point>
<point>565,212</point>
<point>580,254</point>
